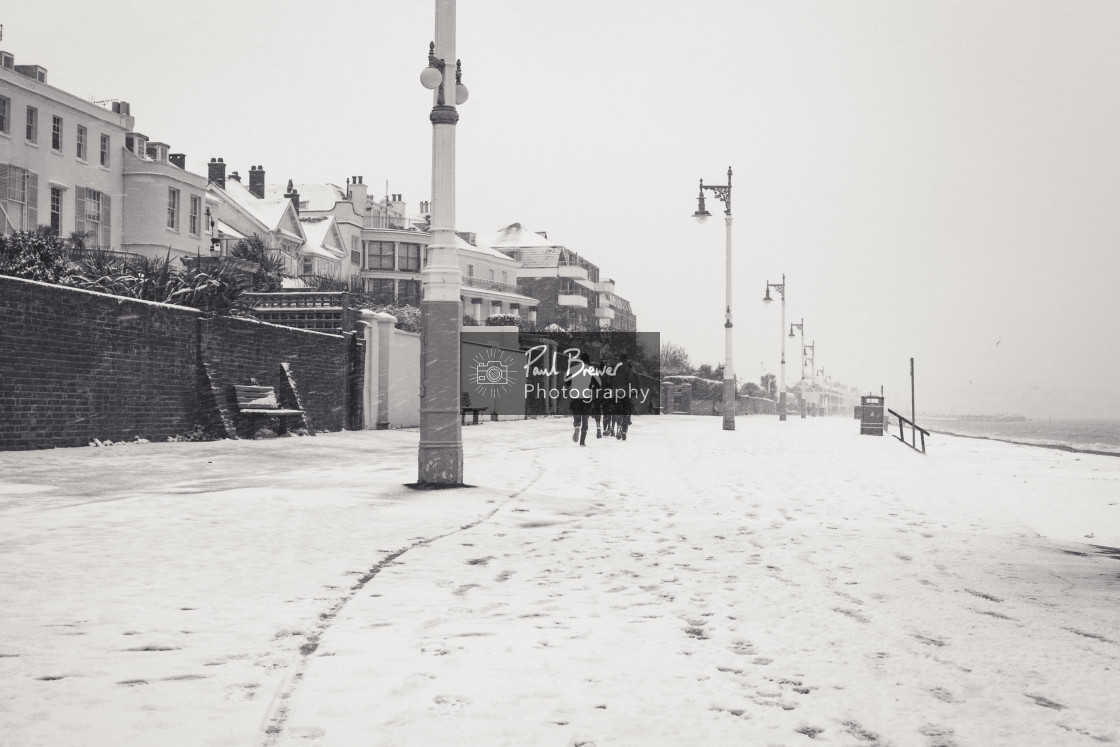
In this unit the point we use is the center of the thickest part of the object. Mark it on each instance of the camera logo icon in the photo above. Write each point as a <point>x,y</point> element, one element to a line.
<point>492,372</point>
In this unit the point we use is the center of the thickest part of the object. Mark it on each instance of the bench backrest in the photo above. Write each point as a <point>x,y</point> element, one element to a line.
<point>256,397</point>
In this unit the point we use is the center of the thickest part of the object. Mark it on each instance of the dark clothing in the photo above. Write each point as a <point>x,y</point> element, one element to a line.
<point>584,390</point>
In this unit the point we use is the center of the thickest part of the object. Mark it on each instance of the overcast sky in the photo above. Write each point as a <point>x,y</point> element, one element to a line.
<point>937,180</point>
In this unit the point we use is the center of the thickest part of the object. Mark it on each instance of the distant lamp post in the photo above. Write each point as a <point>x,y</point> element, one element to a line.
<point>811,363</point>
<point>801,328</point>
<point>723,193</point>
<point>781,289</point>
<point>827,398</point>
<point>440,453</point>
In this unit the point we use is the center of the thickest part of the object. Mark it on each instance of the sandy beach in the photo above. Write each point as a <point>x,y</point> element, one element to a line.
<point>783,584</point>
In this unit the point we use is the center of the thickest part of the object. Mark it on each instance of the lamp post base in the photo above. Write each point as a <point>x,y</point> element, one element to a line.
<point>441,442</point>
<point>729,404</point>
<point>782,406</point>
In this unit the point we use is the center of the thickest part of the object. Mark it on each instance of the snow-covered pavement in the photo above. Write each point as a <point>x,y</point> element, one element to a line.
<point>786,583</point>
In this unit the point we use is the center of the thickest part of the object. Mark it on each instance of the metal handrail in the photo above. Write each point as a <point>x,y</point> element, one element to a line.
<point>914,430</point>
<point>489,284</point>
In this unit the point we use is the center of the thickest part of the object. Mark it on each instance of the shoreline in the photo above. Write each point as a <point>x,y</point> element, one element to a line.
<point>1059,447</point>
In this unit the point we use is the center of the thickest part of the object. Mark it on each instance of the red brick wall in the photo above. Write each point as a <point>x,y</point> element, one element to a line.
<point>240,351</point>
<point>75,366</point>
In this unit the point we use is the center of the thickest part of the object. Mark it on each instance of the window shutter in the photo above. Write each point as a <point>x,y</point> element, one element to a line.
<point>32,200</point>
<point>106,220</point>
<point>4,195</point>
<point>80,210</point>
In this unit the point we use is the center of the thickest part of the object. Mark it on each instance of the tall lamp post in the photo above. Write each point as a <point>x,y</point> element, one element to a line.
<point>801,328</point>
<point>810,352</point>
<point>827,393</point>
<point>723,193</point>
<point>441,438</point>
<point>781,288</point>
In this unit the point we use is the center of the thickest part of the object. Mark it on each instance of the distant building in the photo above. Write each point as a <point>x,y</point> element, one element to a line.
<point>489,284</point>
<point>74,166</point>
<point>567,286</point>
<point>241,212</point>
<point>388,248</point>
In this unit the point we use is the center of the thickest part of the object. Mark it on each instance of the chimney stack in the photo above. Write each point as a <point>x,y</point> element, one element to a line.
<point>178,159</point>
<point>293,195</point>
<point>235,177</point>
<point>356,193</point>
<point>218,172</point>
<point>256,182</point>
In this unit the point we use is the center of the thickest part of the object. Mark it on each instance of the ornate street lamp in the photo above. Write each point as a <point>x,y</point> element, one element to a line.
<point>441,437</point>
<point>811,362</point>
<point>801,328</point>
<point>723,193</point>
<point>781,288</point>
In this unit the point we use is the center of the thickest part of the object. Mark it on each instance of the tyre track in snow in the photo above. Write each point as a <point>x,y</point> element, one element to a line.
<point>276,717</point>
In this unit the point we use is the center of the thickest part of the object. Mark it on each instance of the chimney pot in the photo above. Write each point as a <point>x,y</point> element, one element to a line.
<point>256,181</point>
<point>217,172</point>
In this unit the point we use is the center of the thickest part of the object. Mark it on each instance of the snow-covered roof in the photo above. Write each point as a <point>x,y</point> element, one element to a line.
<point>315,250</point>
<point>463,245</point>
<point>269,210</point>
<point>317,197</point>
<point>515,236</point>
<point>320,234</point>
<point>228,230</point>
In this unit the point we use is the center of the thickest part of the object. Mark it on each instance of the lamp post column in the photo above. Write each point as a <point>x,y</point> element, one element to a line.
<point>441,445</point>
<point>730,403</point>
<point>782,384</point>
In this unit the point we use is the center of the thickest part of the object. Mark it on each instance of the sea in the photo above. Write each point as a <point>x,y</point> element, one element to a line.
<point>1091,436</point>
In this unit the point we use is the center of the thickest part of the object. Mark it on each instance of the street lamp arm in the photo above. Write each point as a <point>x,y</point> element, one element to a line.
<point>722,192</point>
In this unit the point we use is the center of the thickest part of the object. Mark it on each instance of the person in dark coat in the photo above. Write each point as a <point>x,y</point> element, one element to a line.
<point>583,388</point>
<point>624,383</point>
<point>607,405</point>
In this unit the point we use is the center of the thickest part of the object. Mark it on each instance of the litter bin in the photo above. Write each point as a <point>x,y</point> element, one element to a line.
<point>871,409</point>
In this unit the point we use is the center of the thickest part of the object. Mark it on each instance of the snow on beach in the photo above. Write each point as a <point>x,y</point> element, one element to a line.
<point>786,583</point>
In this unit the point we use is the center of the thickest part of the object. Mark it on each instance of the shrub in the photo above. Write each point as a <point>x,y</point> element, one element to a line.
<point>269,277</point>
<point>408,317</point>
<point>503,320</point>
<point>33,255</point>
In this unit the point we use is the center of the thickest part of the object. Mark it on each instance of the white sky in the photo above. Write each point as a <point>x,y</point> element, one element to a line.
<point>936,179</point>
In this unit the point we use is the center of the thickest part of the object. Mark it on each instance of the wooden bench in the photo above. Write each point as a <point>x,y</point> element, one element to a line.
<point>465,407</point>
<point>260,401</point>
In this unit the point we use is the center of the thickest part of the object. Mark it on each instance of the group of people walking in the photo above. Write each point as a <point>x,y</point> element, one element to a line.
<point>601,393</point>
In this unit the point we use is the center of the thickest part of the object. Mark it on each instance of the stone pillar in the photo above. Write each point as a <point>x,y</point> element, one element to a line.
<point>375,395</point>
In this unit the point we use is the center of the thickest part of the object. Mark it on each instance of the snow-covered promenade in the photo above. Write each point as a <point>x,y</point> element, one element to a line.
<point>783,584</point>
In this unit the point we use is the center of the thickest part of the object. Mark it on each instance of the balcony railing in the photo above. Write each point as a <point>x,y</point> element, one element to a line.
<point>394,223</point>
<point>493,285</point>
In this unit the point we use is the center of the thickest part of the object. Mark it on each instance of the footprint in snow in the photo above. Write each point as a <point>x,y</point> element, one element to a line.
<point>982,595</point>
<point>247,691</point>
<point>1045,702</point>
<point>939,736</point>
<point>450,705</point>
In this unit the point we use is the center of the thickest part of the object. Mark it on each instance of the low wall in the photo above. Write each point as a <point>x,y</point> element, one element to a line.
<point>744,406</point>
<point>77,365</point>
